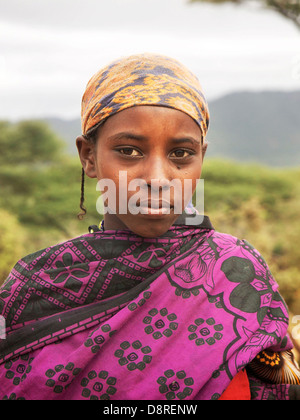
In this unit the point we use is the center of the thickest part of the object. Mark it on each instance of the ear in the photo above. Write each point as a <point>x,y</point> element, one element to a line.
<point>86,151</point>
<point>204,149</point>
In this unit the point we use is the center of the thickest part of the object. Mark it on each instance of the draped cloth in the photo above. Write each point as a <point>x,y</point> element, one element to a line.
<point>112,315</point>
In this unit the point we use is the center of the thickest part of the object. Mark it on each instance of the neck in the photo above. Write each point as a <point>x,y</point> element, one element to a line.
<point>112,222</point>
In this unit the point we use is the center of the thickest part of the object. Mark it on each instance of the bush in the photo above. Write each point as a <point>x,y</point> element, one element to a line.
<point>11,238</point>
<point>29,142</point>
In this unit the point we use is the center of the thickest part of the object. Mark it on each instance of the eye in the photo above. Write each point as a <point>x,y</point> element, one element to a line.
<point>129,151</point>
<point>182,153</point>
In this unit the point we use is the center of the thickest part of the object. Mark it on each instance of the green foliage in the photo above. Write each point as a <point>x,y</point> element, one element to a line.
<point>229,184</point>
<point>11,238</point>
<point>28,142</point>
<point>46,197</point>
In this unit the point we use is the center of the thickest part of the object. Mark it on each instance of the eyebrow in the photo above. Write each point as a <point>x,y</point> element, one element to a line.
<point>127,135</point>
<point>138,137</point>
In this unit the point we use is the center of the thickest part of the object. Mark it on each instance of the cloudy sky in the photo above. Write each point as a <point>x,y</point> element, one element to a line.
<point>50,48</point>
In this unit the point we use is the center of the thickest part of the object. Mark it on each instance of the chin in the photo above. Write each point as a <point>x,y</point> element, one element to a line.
<point>151,230</point>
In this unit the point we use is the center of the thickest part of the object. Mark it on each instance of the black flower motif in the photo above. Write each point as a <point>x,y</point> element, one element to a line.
<point>160,323</point>
<point>194,270</point>
<point>154,256</point>
<point>69,272</point>
<point>175,385</point>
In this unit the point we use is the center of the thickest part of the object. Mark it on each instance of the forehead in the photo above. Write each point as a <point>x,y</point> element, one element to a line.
<point>150,120</point>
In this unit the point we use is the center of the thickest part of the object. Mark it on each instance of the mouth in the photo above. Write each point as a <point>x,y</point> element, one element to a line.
<point>155,207</point>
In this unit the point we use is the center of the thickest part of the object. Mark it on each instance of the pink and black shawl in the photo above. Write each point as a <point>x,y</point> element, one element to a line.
<point>114,316</point>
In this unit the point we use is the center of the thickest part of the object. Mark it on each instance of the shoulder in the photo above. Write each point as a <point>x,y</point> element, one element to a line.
<point>241,273</point>
<point>29,272</point>
<point>232,246</point>
<point>43,258</point>
<point>237,261</point>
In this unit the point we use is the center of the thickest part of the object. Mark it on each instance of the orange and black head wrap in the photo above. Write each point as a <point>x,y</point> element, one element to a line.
<point>144,79</point>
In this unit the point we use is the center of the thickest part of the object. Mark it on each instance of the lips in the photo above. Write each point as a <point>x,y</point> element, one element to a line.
<point>152,211</point>
<point>156,208</point>
<point>156,204</point>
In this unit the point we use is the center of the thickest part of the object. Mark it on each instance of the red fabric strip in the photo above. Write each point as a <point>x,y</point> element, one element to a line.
<point>238,389</point>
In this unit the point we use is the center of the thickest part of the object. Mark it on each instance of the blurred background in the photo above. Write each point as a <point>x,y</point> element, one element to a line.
<point>246,55</point>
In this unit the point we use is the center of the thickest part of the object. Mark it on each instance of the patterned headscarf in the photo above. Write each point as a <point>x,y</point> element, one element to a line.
<point>144,79</point>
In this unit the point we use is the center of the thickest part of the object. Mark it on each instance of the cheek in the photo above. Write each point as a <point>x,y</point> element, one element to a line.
<point>105,165</point>
<point>189,182</point>
<point>193,174</point>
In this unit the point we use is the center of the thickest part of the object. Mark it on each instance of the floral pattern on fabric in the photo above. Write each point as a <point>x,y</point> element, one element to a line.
<point>134,330</point>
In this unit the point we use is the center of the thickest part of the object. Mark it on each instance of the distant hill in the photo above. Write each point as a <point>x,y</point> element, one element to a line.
<point>261,127</point>
<point>68,130</point>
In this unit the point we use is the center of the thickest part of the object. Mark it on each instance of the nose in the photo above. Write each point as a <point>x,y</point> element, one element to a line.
<point>157,174</point>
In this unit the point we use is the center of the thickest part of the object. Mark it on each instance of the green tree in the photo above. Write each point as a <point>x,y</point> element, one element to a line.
<point>28,142</point>
<point>287,8</point>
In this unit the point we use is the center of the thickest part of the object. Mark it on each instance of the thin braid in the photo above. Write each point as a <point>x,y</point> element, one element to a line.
<point>91,136</point>
<point>81,205</point>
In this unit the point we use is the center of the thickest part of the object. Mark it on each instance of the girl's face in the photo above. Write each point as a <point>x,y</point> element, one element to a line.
<point>160,146</point>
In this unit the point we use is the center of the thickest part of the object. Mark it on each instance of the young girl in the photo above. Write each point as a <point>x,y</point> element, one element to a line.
<point>150,306</point>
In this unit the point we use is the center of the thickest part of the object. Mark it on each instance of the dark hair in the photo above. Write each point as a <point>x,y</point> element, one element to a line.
<point>81,204</point>
<point>91,136</point>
